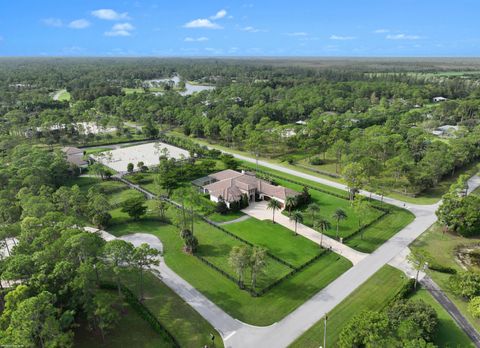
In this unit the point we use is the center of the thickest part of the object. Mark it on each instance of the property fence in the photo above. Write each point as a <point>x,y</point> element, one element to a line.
<point>144,313</point>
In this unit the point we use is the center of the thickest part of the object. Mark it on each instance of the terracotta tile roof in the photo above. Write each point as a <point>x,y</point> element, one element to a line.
<point>231,184</point>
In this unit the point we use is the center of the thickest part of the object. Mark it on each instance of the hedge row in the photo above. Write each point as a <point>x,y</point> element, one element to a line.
<point>144,313</point>
<point>299,183</point>
<point>440,268</point>
<point>406,291</point>
<point>363,228</point>
<point>268,287</point>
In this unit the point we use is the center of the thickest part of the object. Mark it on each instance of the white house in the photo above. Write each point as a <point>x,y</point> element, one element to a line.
<point>439,99</point>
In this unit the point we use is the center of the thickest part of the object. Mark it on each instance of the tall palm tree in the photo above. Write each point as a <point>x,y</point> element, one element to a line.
<point>322,225</point>
<point>313,209</point>
<point>296,216</point>
<point>274,205</point>
<point>290,202</point>
<point>339,215</point>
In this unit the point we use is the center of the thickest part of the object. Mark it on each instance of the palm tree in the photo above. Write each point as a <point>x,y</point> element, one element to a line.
<point>290,202</point>
<point>297,217</point>
<point>322,225</point>
<point>274,205</point>
<point>339,215</point>
<point>313,209</point>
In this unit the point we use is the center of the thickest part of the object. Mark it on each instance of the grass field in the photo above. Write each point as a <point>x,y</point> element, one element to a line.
<point>231,215</point>
<point>372,238</point>
<point>375,295</point>
<point>263,310</point>
<point>96,150</point>
<point>278,239</point>
<point>434,240</point>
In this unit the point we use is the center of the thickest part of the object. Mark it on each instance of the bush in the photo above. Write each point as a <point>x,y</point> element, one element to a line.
<point>406,291</point>
<point>442,269</point>
<point>221,208</point>
<point>316,161</point>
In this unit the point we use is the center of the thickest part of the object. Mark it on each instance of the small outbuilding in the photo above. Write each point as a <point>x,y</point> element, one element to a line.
<point>439,99</point>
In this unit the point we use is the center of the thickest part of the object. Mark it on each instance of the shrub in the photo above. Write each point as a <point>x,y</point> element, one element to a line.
<point>316,161</point>
<point>442,269</point>
<point>221,208</point>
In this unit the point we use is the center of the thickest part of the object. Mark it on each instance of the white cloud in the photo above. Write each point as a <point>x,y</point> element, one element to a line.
<point>220,14</point>
<point>251,29</point>
<point>298,33</point>
<point>52,22</point>
<point>198,39</point>
<point>341,38</point>
<point>120,29</point>
<point>79,24</point>
<point>202,23</point>
<point>109,14</point>
<point>402,37</point>
<point>381,31</point>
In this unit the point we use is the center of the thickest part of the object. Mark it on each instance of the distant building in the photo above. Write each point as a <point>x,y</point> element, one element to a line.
<point>229,186</point>
<point>301,123</point>
<point>439,99</point>
<point>74,156</point>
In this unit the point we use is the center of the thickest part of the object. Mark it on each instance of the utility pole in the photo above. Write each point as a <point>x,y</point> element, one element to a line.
<point>325,332</point>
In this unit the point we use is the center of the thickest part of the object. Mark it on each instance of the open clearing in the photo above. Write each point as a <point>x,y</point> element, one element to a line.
<point>148,153</point>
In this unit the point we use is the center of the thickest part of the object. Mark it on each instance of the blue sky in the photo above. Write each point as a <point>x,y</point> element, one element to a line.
<point>239,28</point>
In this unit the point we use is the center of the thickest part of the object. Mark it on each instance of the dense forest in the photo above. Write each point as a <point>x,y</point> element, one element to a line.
<point>373,118</point>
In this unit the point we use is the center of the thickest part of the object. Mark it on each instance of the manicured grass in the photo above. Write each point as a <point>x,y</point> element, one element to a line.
<point>328,204</point>
<point>96,150</point>
<point>375,294</point>
<point>278,239</point>
<point>372,238</point>
<point>381,231</point>
<point>448,333</point>
<point>231,215</point>
<point>434,240</point>
<point>263,310</point>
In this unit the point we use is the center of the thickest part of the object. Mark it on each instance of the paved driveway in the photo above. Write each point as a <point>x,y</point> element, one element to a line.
<point>260,211</point>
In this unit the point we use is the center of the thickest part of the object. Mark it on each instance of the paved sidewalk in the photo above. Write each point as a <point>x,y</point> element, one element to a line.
<point>240,219</point>
<point>260,211</point>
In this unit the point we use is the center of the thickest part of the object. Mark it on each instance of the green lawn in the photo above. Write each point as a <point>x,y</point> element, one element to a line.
<point>96,150</point>
<point>375,294</point>
<point>231,215</point>
<point>278,239</point>
<point>263,310</point>
<point>434,240</point>
<point>448,333</point>
<point>372,238</point>
<point>63,95</point>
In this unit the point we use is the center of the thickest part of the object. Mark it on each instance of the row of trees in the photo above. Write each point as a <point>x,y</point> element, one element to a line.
<point>244,258</point>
